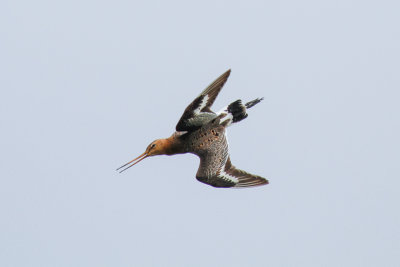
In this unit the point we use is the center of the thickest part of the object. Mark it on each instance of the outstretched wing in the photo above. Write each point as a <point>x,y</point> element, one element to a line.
<point>198,112</point>
<point>242,178</point>
<point>217,170</point>
<point>229,176</point>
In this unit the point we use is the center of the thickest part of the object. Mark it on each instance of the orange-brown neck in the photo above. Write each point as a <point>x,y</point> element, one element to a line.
<point>171,145</point>
<point>166,146</point>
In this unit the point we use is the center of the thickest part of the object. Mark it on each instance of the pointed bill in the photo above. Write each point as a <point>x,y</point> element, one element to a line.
<point>134,161</point>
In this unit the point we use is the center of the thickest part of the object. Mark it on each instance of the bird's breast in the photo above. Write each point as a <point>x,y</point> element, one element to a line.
<point>204,140</point>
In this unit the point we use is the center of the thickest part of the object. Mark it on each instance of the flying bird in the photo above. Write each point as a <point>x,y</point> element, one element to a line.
<point>202,132</point>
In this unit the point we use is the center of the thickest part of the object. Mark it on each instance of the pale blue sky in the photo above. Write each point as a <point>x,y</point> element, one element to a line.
<point>86,85</point>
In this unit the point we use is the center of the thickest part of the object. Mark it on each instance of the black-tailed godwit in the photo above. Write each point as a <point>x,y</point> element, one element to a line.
<point>202,132</point>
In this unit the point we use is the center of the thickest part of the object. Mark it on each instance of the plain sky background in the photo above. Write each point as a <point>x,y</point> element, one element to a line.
<point>87,85</point>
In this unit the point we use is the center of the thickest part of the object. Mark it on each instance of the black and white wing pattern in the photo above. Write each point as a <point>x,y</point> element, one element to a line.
<point>242,178</point>
<point>216,168</point>
<point>229,176</point>
<point>198,112</point>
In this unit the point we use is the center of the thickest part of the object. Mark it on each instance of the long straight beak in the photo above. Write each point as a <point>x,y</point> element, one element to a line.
<point>138,159</point>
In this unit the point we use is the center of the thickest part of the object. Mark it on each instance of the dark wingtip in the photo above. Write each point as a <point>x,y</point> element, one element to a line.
<point>226,73</point>
<point>254,102</point>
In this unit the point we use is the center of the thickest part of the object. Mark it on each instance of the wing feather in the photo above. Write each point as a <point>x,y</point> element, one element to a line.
<point>199,111</point>
<point>216,168</point>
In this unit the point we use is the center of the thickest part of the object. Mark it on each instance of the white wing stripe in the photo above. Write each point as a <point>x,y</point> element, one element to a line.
<point>202,105</point>
<point>225,176</point>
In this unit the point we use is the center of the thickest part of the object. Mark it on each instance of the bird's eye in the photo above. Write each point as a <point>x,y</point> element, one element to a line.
<point>152,145</point>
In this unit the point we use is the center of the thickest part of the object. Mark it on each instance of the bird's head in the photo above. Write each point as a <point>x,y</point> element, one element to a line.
<point>157,147</point>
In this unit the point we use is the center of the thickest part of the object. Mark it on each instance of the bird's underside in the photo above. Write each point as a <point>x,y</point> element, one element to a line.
<point>205,136</point>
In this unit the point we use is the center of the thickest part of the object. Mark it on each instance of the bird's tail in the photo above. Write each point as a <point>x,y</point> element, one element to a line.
<point>236,111</point>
